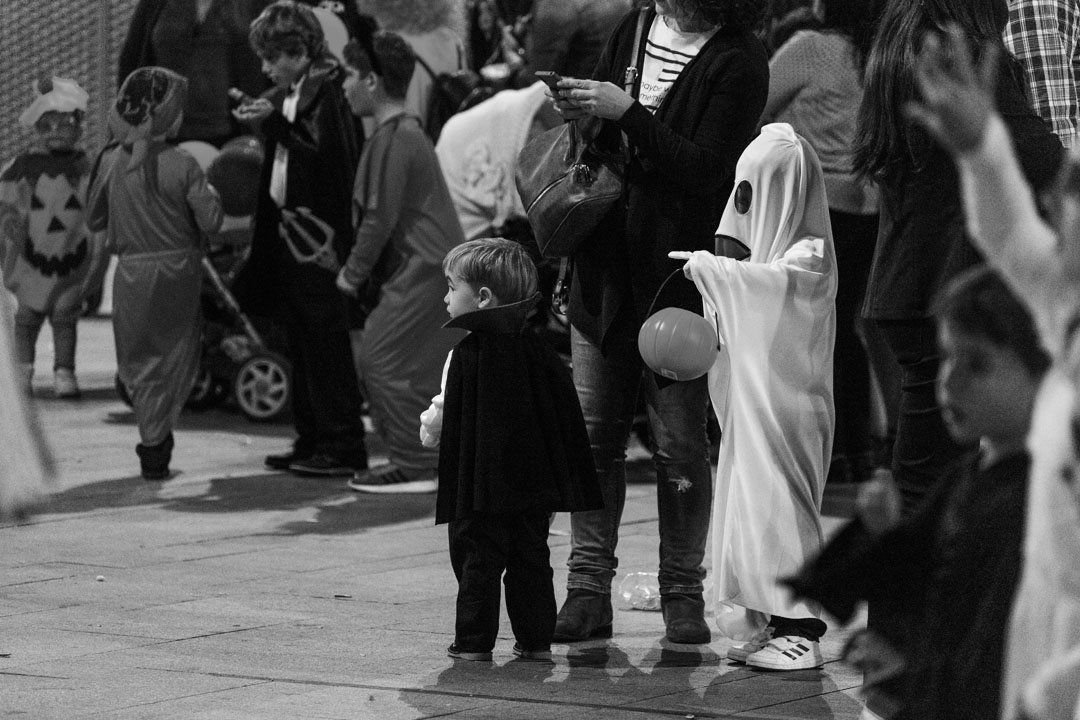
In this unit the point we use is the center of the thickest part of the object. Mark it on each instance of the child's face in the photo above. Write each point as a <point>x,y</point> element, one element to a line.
<point>461,297</point>
<point>58,131</point>
<point>984,390</point>
<point>284,69</point>
<point>359,91</point>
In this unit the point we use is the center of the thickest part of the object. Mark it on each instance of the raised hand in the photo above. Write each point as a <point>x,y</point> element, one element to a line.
<point>957,95</point>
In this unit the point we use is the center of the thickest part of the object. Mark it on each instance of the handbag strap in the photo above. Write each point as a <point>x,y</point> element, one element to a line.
<point>560,298</point>
<point>652,306</point>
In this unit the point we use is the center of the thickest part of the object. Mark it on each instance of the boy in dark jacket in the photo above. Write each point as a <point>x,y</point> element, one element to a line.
<point>513,449</point>
<point>949,570</point>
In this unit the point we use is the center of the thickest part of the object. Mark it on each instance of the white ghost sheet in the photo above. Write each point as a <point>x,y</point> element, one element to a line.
<point>771,386</point>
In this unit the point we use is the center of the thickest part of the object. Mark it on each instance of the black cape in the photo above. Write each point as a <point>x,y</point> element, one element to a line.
<point>513,437</point>
<point>948,574</point>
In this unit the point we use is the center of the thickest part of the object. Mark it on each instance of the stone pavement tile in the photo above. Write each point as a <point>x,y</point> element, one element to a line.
<point>79,689</point>
<point>838,705</point>
<point>30,644</point>
<point>204,616</point>
<point>301,651</point>
<point>753,690</point>
<point>289,701</point>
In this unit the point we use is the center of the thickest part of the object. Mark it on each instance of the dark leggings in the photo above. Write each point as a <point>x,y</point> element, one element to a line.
<point>923,446</point>
<point>854,237</point>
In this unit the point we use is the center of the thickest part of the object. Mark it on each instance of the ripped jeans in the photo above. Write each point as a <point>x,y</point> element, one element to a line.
<point>607,386</point>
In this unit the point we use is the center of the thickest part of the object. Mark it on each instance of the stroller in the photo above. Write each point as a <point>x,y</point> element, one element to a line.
<point>236,361</point>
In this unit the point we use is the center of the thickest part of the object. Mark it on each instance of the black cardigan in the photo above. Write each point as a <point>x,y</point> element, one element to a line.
<point>679,179</point>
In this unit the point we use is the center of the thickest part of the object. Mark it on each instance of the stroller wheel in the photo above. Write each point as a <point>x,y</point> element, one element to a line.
<point>121,390</point>
<point>263,386</point>
<point>206,392</point>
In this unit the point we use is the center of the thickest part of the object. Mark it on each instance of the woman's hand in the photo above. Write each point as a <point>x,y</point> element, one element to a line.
<point>254,112</point>
<point>591,97</point>
<point>957,96</point>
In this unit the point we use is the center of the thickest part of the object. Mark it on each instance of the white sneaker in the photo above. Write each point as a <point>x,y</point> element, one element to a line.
<point>739,653</point>
<point>64,384</point>
<point>787,652</point>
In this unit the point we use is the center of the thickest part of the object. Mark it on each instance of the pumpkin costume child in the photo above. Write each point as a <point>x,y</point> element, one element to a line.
<point>157,206</point>
<point>45,250</point>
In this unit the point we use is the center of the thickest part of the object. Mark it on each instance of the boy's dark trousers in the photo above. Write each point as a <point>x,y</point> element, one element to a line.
<point>326,399</point>
<point>482,546</point>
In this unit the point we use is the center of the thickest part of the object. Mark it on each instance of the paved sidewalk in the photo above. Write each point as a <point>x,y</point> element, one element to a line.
<point>229,592</point>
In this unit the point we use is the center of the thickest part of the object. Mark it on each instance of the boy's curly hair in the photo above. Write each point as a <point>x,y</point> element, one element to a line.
<point>503,266</point>
<point>741,14</point>
<point>286,27</point>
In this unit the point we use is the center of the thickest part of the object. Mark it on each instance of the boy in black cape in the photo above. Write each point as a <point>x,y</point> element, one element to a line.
<point>513,450</point>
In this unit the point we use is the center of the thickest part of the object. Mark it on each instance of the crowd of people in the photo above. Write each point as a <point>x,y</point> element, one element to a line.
<point>872,203</point>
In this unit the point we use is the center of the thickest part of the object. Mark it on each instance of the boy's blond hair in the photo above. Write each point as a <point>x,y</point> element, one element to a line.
<point>503,266</point>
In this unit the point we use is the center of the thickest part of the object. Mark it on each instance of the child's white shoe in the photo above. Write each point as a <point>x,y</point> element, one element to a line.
<point>787,652</point>
<point>739,653</point>
<point>64,384</point>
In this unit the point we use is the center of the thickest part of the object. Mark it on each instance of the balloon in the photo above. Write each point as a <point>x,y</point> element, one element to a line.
<point>203,152</point>
<point>234,173</point>
<point>677,344</point>
<point>334,31</point>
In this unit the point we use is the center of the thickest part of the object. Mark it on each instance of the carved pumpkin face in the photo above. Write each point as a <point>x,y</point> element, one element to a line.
<point>56,215</point>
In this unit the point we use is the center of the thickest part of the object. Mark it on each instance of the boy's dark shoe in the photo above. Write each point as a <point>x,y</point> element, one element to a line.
<point>585,614</point>
<point>458,654</point>
<point>538,655</point>
<point>321,465</point>
<point>684,617</point>
<point>154,459</point>
<point>282,461</point>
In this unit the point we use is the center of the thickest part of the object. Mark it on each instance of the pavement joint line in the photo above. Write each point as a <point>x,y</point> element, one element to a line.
<point>110,711</point>
<point>458,694</point>
<point>33,675</point>
<point>795,700</point>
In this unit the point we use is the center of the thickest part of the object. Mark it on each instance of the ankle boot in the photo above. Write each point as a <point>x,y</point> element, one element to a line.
<point>585,614</point>
<point>684,617</point>
<point>154,459</point>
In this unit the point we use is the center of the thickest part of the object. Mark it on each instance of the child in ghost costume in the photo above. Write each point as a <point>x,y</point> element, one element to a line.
<point>26,465</point>
<point>157,206</point>
<point>46,253</point>
<point>771,388</point>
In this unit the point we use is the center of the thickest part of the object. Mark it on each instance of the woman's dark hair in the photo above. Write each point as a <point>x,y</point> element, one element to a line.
<point>741,14</point>
<point>977,302</point>
<point>882,143</point>
<point>390,57</point>
<point>286,27</point>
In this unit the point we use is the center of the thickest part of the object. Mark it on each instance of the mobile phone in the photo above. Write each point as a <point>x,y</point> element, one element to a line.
<point>239,97</point>
<point>550,78</point>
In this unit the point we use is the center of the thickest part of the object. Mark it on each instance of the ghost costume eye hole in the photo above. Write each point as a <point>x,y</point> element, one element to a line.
<point>743,195</point>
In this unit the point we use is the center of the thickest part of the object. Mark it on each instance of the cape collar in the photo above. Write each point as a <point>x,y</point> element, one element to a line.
<point>501,319</point>
<point>320,69</point>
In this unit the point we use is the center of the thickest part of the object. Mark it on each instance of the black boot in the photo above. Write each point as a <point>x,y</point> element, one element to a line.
<point>154,459</point>
<point>684,617</point>
<point>585,614</point>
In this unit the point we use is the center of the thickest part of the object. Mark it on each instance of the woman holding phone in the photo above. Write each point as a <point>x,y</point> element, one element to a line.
<point>700,91</point>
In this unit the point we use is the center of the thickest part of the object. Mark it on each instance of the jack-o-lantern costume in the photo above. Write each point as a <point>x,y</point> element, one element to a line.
<point>46,252</point>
